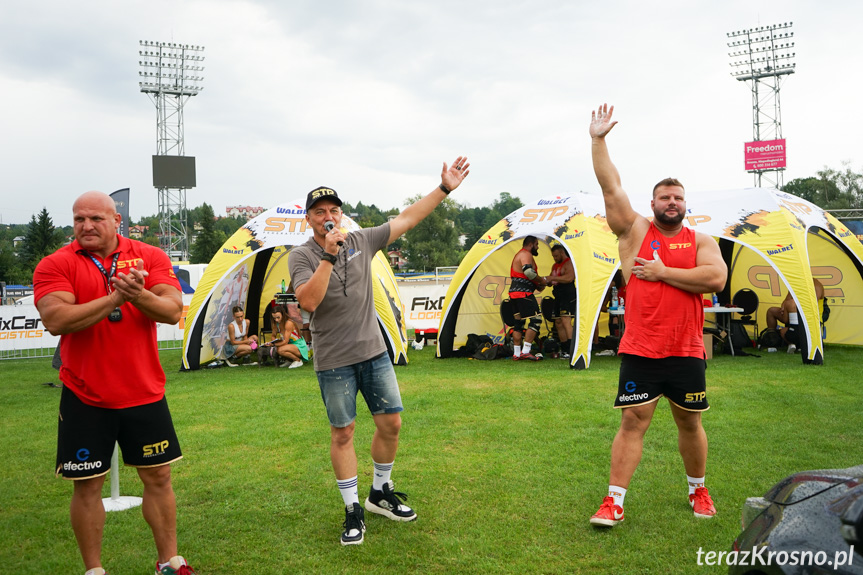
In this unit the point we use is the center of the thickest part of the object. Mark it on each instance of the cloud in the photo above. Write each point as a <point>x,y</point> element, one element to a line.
<point>370,97</point>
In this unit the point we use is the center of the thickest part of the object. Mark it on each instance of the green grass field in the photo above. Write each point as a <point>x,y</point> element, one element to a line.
<point>504,462</point>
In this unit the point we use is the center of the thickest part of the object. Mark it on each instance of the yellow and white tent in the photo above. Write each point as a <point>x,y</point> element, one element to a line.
<point>780,242</point>
<point>482,280</point>
<point>252,266</point>
<point>790,241</point>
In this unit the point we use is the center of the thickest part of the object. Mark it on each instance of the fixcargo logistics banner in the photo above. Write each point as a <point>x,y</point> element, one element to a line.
<point>21,328</point>
<point>764,155</point>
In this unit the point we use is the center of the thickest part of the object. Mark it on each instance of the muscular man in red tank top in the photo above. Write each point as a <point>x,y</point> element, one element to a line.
<point>666,268</point>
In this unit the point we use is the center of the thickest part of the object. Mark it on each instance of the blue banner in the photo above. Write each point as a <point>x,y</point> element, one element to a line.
<point>121,200</point>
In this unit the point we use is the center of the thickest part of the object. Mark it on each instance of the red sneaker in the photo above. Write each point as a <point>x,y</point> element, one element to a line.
<point>528,356</point>
<point>608,515</point>
<point>702,504</point>
<point>176,566</point>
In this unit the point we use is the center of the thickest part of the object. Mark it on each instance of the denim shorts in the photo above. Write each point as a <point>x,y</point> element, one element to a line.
<point>374,378</point>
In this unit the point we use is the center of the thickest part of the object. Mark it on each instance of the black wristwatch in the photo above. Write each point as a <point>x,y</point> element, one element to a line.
<point>328,257</point>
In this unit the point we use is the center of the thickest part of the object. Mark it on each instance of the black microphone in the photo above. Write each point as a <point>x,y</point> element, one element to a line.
<point>329,227</point>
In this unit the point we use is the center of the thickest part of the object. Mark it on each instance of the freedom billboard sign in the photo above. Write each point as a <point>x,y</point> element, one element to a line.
<point>764,155</point>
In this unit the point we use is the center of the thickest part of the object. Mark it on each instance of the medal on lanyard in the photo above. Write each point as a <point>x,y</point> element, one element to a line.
<point>117,314</point>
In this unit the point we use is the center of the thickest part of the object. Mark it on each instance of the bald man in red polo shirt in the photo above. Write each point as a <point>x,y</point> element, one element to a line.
<point>103,294</point>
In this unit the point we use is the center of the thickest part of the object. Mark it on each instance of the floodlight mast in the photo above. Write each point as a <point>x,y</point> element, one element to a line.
<point>763,56</point>
<point>170,75</point>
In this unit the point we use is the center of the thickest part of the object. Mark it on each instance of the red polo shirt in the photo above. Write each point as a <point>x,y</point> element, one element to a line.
<point>111,364</point>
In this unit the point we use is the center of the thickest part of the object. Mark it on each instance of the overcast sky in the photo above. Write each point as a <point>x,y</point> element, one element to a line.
<point>371,97</point>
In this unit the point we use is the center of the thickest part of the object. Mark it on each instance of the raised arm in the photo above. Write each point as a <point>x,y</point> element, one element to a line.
<point>618,211</point>
<point>450,178</point>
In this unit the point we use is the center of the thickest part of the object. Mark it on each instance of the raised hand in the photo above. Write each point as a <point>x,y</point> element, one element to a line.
<point>600,121</point>
<point>454,175</point>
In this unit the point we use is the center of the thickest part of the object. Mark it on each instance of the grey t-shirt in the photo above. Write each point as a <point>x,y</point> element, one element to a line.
<point>344,328</point>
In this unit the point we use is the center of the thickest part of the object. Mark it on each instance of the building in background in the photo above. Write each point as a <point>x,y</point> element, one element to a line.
<point>247,212</point>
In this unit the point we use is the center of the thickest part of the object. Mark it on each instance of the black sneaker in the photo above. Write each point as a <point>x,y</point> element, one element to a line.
<point>354,525</point>
<point>389,503</point>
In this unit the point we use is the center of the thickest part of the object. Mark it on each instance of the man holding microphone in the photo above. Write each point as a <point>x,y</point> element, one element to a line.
<point>332,278</point>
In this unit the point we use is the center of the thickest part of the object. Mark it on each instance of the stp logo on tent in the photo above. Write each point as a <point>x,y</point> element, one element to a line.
<point>543,215</point>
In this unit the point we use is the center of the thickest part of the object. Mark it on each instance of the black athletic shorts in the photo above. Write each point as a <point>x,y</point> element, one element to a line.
<point>86,436</point>
<point>526,308</point>
<point>680,379</point>
<point>563,307</point>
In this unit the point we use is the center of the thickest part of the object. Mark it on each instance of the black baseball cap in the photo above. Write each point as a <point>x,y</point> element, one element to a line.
<point>322,193</point>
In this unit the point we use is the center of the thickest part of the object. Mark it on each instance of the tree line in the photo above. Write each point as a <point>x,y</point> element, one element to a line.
<point>434,242</point>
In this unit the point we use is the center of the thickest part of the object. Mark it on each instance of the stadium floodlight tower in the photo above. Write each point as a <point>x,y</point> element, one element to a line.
<point>763,57</point>
<point>170,76</point>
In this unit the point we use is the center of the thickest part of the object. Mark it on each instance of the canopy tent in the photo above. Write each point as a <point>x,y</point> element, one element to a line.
<point>790,241</point>
<point>765,229</point>
<point>482,280</point>
<point>252,266</point>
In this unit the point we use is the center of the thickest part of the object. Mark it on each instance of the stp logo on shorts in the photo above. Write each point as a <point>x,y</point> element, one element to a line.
<point>695,397</point>
<point>157,448</point>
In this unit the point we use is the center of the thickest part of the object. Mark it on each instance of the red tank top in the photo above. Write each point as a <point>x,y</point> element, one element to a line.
<point>662,320</point>
<point>520,285</point>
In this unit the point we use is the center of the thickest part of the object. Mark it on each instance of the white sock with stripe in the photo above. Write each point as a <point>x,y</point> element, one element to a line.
<point>382,474</point>
<point>348,489</point>
<point>694,483</point>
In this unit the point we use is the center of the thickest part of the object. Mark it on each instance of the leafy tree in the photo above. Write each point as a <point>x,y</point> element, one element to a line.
<point>10,266</point>
<point>471,222</point>
<point>229,225</point>
<point>208,240</point>
<point>434,241</point>
<point>505,205</point>
<point>365,216</point>
<point>831,190</point>
<point>822,193</point>
<point>40,240</point>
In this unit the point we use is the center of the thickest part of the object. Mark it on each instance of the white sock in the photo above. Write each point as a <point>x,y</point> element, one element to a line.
<point>348,489</point>
<point>618,493</point>
<point>381,475</point>
<point>694,483</point>
<point>95,571</point>
<point>526,347</point>
<point>516,350</point>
